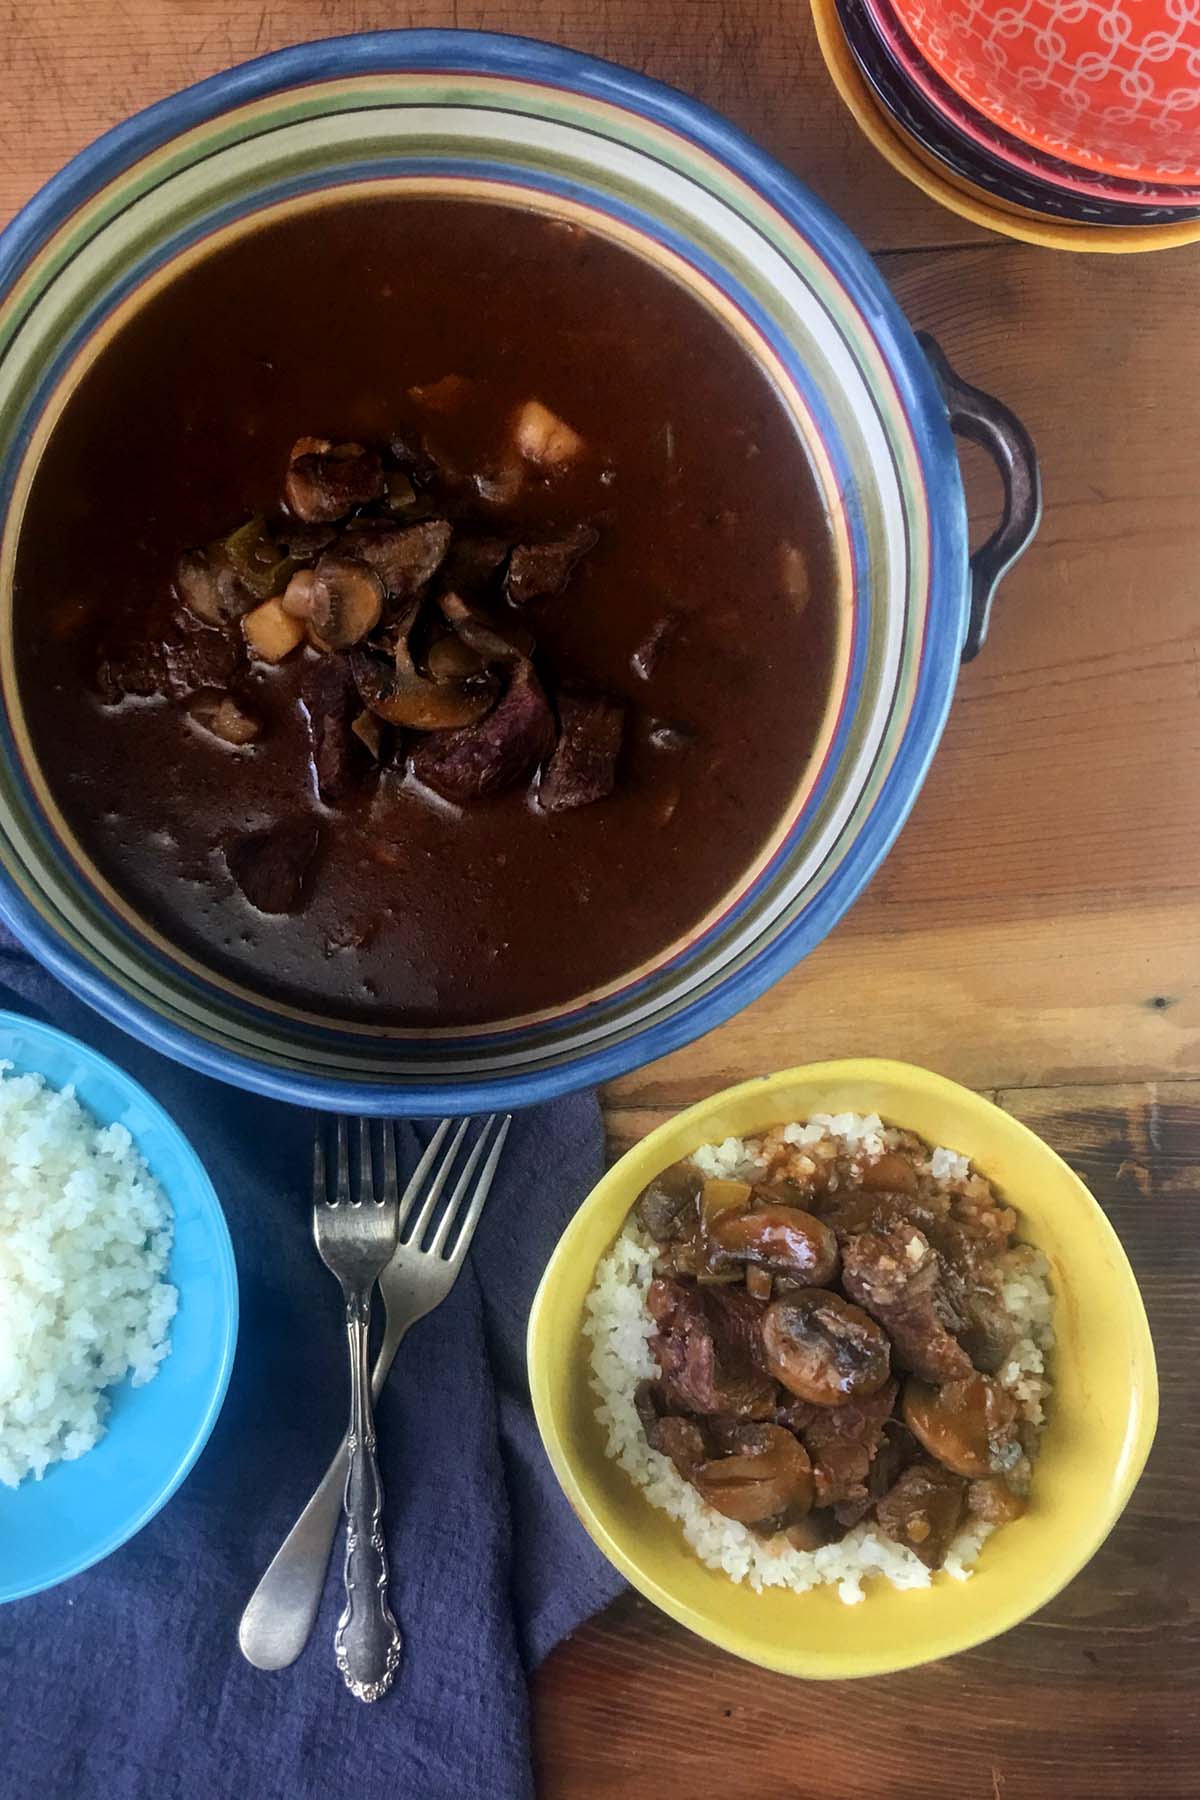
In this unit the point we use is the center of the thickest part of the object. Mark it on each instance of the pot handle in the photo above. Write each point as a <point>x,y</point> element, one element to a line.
<point>989,423</point>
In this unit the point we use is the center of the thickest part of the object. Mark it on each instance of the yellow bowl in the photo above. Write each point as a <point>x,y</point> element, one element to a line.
<point>960,196</point>
<point>1101,1421</point>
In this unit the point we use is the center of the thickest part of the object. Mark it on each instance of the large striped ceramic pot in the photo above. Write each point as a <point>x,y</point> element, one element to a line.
<point>470,114</point>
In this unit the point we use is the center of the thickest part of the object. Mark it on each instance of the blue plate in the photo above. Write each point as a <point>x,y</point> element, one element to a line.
<point>81,1511</point>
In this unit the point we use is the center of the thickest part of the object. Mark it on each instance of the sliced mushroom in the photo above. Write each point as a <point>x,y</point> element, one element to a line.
<point>501,484</point>
<point>208,584</point>
<point>495,643</point>
<point>760,1283</point>
<point>346,600</point>
<point>400,696</point>
<point>221,715</point>
<point>667,1205</point>
<point>449,659</point>
<point>969,1425</point>
<point>768,1473</point>
<point>326,481</point>
<point>823,1349</point>
<point>783,1239</point>
<point>722,1199</point>
<point>297,598</point>
<point>398,491</point>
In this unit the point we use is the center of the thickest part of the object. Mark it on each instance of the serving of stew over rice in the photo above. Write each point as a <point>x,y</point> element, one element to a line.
<point>823,1351</point>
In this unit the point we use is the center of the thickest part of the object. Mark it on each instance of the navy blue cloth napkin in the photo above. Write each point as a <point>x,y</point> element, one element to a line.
<point>127,1681</point>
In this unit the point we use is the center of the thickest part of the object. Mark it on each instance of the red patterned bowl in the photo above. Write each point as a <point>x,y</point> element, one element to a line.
<point>977,131</point>
<point>1112,85</point>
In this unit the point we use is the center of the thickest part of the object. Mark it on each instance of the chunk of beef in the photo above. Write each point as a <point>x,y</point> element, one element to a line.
<point>897,1449</point>
<point>199,656</point>
<point>848,1211</point>
<point>923,1510</point>
<point>536,571</point>
<point>681,1440</point>
<point>645,657</point>
<point>404,557</point>
<point>694,1377</point>
<point>272,867</point>
<point>973,1279</point>
<point>993,1500</point>
<point>583,767</point>
<point>843,1442</point>
<point>736,1319</point>
<point>326,481</point>
<point>175,659</point>
<point>138,669</point>
<point>330,700</point>
<point>895,1274</point>
<point>479,760</point>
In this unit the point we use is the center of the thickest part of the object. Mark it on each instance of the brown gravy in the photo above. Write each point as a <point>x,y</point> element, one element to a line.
<point>694,476</point>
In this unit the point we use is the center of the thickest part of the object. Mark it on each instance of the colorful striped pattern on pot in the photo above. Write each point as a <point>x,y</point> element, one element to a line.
<point>466,113</point>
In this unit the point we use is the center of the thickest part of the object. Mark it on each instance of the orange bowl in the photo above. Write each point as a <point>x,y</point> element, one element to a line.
<point>1115,88</point>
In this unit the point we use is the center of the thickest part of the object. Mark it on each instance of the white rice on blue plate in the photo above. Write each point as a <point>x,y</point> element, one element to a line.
<point>85,1240</point>
<point>619,1328</point>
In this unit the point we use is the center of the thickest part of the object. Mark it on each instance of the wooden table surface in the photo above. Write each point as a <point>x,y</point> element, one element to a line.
<point>1034,932</point>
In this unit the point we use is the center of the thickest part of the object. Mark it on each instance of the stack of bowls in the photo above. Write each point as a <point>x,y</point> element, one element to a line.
<point>1072,126</point>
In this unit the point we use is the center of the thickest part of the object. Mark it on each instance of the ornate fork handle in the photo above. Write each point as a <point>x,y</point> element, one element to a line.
<point>367,1644</point>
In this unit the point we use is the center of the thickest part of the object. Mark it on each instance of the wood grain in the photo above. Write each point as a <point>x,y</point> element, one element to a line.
<point>1034,930</point>
<point>1093,1698</point>
<point>69,71</point>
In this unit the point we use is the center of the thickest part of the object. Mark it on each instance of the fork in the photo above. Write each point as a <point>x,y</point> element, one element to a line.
<point>279,1616</point>
<point>356,1239</point>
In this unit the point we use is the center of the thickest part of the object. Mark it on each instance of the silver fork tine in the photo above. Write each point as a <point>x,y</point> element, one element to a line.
<point>366,1170</point>
<point>464,1181</point>
<point>435,1192</point>
<point>320,1191</point>
<point>422,1169</point>
<point>342,1196</point>
<point>467,1229</point>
